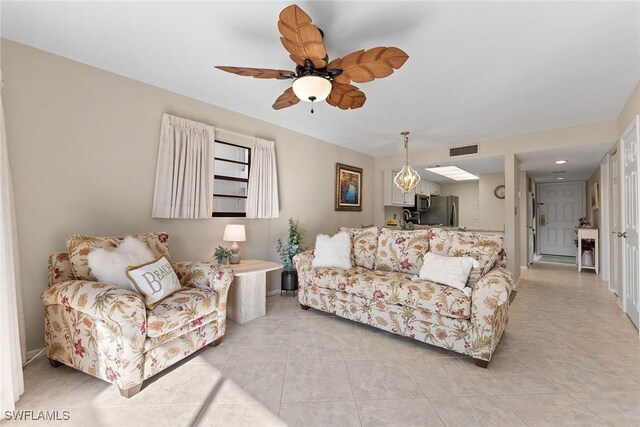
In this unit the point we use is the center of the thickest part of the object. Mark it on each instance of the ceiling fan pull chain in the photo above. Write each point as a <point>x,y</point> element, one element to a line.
<point>312,98</point>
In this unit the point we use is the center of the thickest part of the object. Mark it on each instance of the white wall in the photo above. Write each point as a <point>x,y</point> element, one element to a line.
<point>83,147</point>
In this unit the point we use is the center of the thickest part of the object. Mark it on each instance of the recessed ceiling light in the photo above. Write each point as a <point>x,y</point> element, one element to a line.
<point>560,177</point>
<point>453,172</point>
<point>559,162</point>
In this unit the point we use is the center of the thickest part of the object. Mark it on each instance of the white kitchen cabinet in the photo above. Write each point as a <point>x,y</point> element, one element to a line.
<point>423,188</point>
<point>435,188</point>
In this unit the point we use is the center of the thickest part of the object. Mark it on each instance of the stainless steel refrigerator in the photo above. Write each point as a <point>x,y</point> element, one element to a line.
<point>443,210</point>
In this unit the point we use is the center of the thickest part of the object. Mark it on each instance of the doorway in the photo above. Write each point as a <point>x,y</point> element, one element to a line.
<point>560,205</point>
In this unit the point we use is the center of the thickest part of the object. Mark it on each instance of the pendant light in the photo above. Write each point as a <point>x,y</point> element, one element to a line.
<point>407,179</point>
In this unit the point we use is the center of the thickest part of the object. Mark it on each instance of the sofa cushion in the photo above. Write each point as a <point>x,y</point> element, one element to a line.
<point>79,246</point>
<point>181,308</point>
<point>486,249</point>
<point>364,243</point>
<point>440,241</point>
<point>153,342</point>
<point>401,251</point>
<point>396,288</point>
<point>336,278</point>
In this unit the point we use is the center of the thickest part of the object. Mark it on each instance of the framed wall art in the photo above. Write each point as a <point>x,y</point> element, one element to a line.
<point>348,188</point>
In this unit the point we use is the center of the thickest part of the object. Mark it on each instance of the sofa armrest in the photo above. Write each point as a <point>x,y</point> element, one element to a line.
<point>302,261</point>
<point>489,309</point>
<point>210,276</point>
<point>59,268</point>
<point>100,300</point>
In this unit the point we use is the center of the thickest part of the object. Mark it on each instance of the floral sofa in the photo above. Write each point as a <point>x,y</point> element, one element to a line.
<point>379,290</point>
<point>107,332</point>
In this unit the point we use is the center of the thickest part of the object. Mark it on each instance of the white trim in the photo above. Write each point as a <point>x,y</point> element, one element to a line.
<point>605,225</point>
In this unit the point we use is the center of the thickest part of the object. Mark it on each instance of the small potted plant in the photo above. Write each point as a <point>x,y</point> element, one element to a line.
<point>221,255</point>
<point>287,251</point>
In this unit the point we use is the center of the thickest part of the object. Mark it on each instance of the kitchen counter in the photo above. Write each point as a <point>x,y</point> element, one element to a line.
<point>473,229</point>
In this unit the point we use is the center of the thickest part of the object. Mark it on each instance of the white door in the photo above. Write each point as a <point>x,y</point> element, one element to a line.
<point>560,206</point>
<point>616,229</point>
<point>631,220</point>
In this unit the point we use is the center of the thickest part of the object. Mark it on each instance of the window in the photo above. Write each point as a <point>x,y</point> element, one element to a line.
<point>231,179</point>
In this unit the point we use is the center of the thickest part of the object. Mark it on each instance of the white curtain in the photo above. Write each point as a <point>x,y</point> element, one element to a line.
<point>12,338</point>
<point>184,175</point>
<point>262,197</point>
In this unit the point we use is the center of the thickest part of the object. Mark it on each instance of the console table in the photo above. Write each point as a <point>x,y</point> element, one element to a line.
<point>247,299</point>
<point>588,234</point>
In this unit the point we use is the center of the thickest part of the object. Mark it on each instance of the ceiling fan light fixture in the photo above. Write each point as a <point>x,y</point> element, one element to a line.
<point>407,179</point>
<point>311,88</point>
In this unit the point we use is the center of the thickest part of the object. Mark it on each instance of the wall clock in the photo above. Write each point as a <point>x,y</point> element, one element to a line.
<point>499,192</point>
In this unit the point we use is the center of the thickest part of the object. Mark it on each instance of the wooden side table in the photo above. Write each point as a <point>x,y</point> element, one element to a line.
<point>247,299</point>
<point>588,234</point>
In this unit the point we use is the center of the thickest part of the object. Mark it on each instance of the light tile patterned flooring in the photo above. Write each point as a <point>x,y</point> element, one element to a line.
<point>569,357</point>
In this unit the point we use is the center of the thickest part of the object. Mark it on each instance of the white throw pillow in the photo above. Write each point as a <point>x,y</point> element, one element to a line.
<point>110,265</point>
<point>450,271</point>
<point>154,280</point>
<point>333,251</point>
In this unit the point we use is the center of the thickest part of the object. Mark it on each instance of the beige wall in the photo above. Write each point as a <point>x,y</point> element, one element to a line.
<point>83,146</point>
<point>468,199</point>
<point>629,111</point>
<point>492,209</point>
<point>593,214</point>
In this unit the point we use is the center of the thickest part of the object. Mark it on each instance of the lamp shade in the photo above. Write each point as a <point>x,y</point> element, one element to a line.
<point>234,233</point>
<point>311,88</point>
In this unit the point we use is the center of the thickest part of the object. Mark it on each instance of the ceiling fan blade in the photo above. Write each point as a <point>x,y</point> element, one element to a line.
<point>346,97</point>
<point>287,99</point>
<point>258,73</point>
<point>366,65</point>
<point>300,37</point>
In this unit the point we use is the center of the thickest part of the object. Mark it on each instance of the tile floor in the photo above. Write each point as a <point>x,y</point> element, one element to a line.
<point>568,357</point>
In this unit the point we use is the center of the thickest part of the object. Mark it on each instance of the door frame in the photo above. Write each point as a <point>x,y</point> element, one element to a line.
<point>605,225</point>
<point>537,221</point>
<point>615,246</point>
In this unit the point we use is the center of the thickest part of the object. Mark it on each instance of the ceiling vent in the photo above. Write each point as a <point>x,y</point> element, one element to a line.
<point>467,150</point>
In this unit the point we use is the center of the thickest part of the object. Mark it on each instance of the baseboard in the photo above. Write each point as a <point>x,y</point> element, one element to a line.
<point>33,353</point>
<point>517,283</point>
<point>524,267</point>
<point>273,292</point>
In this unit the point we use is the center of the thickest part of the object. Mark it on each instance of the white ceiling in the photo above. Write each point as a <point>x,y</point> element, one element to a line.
<point>580,166</point>
<point>476,70</point>
<point>475,166</point>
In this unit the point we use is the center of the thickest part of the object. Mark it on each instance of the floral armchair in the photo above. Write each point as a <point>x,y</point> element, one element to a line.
<point>107,332</point>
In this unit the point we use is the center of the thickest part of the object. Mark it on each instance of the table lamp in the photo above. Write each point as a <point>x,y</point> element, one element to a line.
<point>234,233</point>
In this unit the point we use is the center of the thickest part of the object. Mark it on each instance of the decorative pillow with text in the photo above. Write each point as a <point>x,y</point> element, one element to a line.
<point>154,280</point>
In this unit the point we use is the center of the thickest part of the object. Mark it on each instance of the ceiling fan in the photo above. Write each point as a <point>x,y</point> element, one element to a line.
<point>315,78</point>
